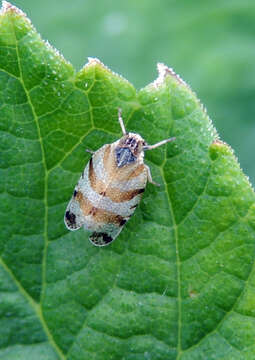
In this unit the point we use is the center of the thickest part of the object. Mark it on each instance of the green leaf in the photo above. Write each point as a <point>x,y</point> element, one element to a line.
<point>178,283</point>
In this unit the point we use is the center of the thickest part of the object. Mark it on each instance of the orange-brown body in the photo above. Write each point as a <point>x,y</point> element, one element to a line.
<point>110,188</point>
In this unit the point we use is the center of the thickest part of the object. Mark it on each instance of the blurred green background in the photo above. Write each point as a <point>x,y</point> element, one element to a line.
<point>210,44</point>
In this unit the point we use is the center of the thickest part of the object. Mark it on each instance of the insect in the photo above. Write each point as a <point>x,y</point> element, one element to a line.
<point>110,187</point>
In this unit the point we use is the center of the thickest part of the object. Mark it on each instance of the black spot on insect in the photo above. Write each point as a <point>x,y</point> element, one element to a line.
<point>140,191</point>
<point>134,206</point>
<point>123,222</point>
<point>74,193</point>
<point>124,156</point>
<point>106,238</point>
<point>100,238</point>
<point>71,218</point>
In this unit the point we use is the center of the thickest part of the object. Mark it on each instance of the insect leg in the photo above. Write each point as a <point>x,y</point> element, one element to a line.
<point>149,176</point>
<point>90,151</point>
<point>151,147</point>
<point>121,122</point>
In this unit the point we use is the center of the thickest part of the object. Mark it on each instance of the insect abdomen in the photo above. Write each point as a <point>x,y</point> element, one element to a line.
<point>107,195</point>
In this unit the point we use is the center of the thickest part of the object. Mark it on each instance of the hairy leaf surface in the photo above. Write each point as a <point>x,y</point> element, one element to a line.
<point>179,281</point>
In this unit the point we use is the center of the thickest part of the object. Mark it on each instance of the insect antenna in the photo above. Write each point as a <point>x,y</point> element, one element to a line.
<point>151,147</point>
<point>121,122</point>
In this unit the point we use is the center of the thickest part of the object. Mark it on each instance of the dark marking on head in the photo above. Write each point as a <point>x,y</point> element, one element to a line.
<point>71,218</point>
<point>124,156</point>
<point>103,193</point>
<point>100,238</point>
<point>132,142</point>
<point>74,193</point>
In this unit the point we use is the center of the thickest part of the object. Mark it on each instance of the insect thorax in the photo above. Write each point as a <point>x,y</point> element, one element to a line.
<point>129,149</point>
